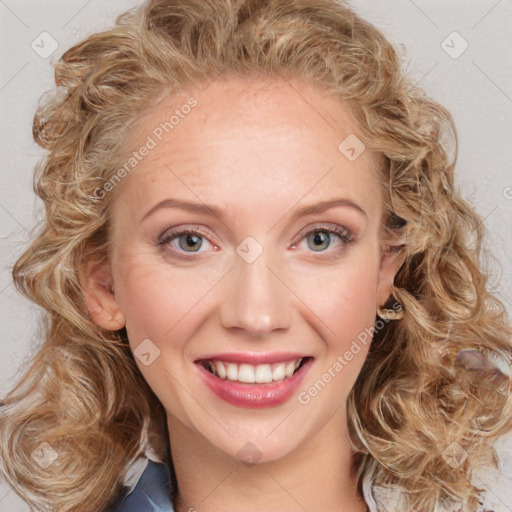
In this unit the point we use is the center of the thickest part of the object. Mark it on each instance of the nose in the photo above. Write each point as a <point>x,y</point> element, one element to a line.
<point>256,298</point>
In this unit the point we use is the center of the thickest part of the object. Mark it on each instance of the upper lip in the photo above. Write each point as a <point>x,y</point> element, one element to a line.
<point>254,358</point>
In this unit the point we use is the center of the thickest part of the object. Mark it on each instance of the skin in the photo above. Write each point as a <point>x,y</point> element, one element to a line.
<point>258,150</point>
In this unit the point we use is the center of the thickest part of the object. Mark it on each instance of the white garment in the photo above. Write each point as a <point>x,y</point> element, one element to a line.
<point>496,482</point>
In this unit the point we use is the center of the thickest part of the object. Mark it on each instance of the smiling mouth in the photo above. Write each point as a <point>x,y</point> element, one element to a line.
<point>253,374</point>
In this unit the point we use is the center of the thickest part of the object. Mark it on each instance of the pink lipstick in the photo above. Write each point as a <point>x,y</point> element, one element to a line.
<point>254,379</point>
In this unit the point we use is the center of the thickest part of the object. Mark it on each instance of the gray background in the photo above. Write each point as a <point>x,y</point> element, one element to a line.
<point>476,87</point>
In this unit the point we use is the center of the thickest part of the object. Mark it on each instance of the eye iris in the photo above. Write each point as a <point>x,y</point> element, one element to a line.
<point>320,237</point>
<point>190,239</point>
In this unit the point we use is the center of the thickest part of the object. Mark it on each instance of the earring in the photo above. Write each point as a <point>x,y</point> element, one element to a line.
<point>395,313</point>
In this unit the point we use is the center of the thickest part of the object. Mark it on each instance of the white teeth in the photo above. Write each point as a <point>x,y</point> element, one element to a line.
<point>290,368</point>
<point>232,371</point>
<point>220,369</point>
<point>248,373</point>
<point>279,372</point>
<point>263,373</point>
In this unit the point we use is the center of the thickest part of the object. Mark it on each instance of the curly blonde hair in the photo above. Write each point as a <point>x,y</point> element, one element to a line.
<point>83,394</point>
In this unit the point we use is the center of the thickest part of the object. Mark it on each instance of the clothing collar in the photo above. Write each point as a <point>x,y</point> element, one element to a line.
<point>148,488</point>
<point>151,492</point>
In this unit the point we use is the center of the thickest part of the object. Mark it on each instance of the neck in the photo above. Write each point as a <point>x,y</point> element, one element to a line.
<point>212,481</point>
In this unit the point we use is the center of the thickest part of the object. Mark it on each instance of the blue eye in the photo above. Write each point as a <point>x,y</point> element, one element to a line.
<point>322,236</point>
<point>192,241</point>
<point>189,240</point>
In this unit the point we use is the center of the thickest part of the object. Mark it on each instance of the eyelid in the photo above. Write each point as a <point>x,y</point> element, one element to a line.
<point>346,235</point>
<point>176,231</point>
<point>329,227</point>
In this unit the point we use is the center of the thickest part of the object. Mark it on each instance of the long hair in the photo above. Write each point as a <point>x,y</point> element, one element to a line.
<point>82,412</point>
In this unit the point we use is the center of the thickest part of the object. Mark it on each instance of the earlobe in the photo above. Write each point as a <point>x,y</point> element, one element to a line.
<point>98,292</point>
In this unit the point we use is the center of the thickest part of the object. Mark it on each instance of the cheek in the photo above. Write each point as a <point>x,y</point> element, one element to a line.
<point>155,304</point>
<point>140,294</point>
<point>343,298</point>
<point>158,301</point>
<point>346,316</point>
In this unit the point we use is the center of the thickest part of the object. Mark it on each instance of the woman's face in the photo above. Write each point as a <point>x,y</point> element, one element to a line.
<point>255,280</point>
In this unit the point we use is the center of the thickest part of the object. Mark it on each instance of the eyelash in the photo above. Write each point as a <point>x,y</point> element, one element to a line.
<point>345,235</point>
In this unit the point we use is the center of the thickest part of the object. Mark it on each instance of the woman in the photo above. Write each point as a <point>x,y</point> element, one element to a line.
<point>260,280</point>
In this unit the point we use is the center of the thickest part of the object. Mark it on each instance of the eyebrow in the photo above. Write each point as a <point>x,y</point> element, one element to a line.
<point>205,209</point>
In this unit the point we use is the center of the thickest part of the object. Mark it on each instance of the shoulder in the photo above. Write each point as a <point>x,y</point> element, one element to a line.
<point>391,499</point>
<point>498,483</point>
<point>151,492</point>
<point>495,483</point>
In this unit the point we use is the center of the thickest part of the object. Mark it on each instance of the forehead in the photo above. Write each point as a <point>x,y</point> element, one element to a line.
<point>248,142</point>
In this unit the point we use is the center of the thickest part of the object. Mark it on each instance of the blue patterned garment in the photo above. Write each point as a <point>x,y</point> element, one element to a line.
<point>152,492</point>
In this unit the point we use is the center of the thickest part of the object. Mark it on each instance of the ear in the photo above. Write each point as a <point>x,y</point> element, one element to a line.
<point>97,287</point>
<point>390,262</point>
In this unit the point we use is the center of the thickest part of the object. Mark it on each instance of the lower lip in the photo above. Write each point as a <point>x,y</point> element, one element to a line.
<point>254,396</point>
